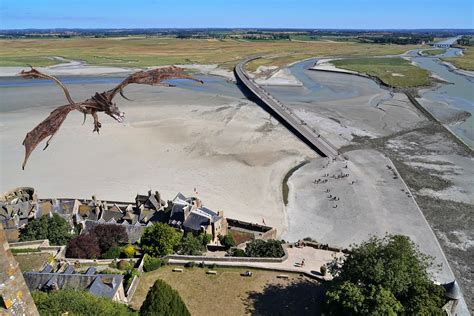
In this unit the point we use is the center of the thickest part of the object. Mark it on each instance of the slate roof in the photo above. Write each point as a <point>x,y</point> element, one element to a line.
<point>452,290</point>
<point>107,215</point>
<point>88,212</point>
<point>177,211</point>
<point>105,285</point>
<point>198,218</point>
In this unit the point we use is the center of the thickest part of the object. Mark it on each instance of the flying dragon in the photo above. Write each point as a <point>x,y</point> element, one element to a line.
<point>100,102</point>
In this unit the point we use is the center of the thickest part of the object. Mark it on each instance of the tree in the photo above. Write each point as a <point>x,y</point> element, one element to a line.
<point>261,248</point>
<point>83,246</point>
<point>129,251</point>
<point>55,228</point>
<point>109,236</point>
<point>191,245</point>
<point>160,240</point>
<point>163,300</point>
<point>227,241</point>
<point>73,302</point>
<point>112,253</point>
<point>383,276</point>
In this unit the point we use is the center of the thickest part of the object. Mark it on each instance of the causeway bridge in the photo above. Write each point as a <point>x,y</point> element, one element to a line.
<point>296,125</point>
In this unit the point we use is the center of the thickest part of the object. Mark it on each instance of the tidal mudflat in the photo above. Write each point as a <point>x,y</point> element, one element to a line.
<point>356,113</point>
<point>173,139</point>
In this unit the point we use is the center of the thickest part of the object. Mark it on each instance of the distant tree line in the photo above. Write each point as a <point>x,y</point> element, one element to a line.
<point>390,39</point>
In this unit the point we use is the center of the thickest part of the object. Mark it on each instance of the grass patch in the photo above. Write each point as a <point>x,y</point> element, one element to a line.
<point>155,51</point>
<point>394,72</point>
<point>433,52</point>
<point>466,61</point>
<point>24,250</point>
<point>228,293</point>
<point>32,262</point>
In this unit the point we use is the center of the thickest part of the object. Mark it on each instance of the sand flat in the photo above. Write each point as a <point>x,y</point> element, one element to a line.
<point>172,140</point>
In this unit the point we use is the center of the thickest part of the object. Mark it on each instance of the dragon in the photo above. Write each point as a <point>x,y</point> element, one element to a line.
<point>99,102</point>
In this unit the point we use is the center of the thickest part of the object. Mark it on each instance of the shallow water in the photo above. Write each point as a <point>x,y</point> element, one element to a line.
<point>322,86</point>
<point>212,85</point>
<point>458,94</point>
<point>325,86</point>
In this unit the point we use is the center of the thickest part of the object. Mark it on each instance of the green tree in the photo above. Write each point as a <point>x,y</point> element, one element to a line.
<point>163,300</point>
<point>74,302</point>
<point>191,245</point>
<point>261,248</point>
<point>160,240</point>
<point>54,228</point>
<point>385,276</point>
<point>129,251</point>
<point>227,241</point>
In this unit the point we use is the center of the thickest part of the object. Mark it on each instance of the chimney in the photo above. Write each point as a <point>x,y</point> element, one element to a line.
<point>149,192</point>
<point>220,214</point>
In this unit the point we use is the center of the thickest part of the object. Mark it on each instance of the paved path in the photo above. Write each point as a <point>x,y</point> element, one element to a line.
<point>308,133</point>
<point>314,259</point>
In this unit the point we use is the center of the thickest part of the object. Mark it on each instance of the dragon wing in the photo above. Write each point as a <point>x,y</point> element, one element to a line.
<point>152,77</point>
<point>48,127</point>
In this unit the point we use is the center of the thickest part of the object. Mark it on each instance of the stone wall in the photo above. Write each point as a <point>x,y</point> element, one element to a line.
<point>15,298</point>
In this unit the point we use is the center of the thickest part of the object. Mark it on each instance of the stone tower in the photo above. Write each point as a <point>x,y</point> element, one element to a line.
<point>15,298</point>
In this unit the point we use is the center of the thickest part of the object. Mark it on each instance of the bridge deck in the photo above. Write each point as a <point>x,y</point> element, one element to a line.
<point>310,134</point>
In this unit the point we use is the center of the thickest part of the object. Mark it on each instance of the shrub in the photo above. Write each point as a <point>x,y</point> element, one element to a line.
<point>152,263</point>
<point>162,300</point>
<point>83,246</point>
<point>112,253</point>
<point>129,251</point>
<point>227,241</point>
<point>62,302</point>
<point>124,265</point>
<point>260,248</point>
<point>323,270</point>
<point>109,236</point>
<point>24,250</point>
<point>55,228</point>
<point>160,240</point>
<point>236,252</point>
<point>205,239</point>
<point>191,245</point>
<point>128,278</point>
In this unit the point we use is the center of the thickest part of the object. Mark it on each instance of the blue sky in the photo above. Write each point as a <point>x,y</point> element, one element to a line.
<point>236,13</point>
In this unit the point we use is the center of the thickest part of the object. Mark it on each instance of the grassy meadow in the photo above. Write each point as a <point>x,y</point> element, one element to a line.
<point>140,51</point>
<point>433,52</point>
<point>395,72</point>
<point>466,61</point>
<point>229,293</point>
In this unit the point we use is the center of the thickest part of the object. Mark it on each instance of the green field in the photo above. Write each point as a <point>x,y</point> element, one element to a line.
<point>466,61</point>
<point>394,72</point>
<point>229,293</point>
<point>32,261</point>
<point>143,51</point>
<point>433,52</point>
